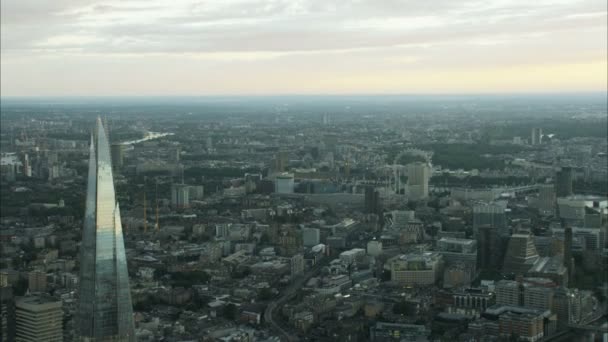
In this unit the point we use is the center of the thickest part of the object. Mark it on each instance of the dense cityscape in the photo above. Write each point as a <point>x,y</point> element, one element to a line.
<point>304,218</point>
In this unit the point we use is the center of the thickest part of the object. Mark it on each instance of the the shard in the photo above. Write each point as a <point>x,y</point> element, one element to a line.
<point>104,310</point>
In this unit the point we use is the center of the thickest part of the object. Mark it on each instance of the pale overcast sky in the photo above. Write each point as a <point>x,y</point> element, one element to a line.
<point>301,47</point>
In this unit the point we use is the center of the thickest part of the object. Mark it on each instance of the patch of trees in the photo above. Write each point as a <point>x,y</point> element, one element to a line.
<point>477,182</point>
<point>470,156</point>
<point>222,172</point>
<point>188,279</point>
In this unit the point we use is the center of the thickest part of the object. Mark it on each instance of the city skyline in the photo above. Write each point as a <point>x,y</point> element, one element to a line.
<point>263,48</point>
<point>303,170</point>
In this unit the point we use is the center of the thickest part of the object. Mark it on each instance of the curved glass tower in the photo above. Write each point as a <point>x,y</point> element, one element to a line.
<point>104,308</point>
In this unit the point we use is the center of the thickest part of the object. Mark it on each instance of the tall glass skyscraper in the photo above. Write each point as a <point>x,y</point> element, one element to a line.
<point>104,312</point>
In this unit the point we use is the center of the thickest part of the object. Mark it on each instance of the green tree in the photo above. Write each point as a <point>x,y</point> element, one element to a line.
<point>265,294</point>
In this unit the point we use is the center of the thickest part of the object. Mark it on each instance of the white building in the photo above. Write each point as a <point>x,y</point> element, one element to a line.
<point>38,318</point>
<point>374,248</point>
<point>352,255</point>
<point>418,175</point>
<point>416,268</point>
<point>284,183</point>
<point>311,237</point>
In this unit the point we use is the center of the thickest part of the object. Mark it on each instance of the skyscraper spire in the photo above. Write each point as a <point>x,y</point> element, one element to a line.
<point>104,311</point>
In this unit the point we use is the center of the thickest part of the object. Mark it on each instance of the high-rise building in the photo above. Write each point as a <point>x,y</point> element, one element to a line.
<point>374,248</point>
<point>492,214</point>
<point>297,264</point>
<point>38,318</point>
<point>546,199</point>
<point>372,200</point>
<point>521,254</point>
<point>104,311</point>
<point>489,251</point>
<point>27,167</point>
<point>196,192</point>
<point>537,136</point>
<point>284,183</point>
<point>418,175</point>
<point>281,160</point>
<point>563,182</point>
<point>180,196</point>
<point>37,281</point>
<point>568,250</point>
<point>311,236</point>
<point>117,156</point>
<point>209,144</point>
<point>7,314</point>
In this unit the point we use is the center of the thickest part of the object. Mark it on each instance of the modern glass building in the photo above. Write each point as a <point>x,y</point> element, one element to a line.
<point>104,308</point>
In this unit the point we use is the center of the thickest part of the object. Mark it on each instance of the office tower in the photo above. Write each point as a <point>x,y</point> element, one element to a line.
<point>27,167</point>
<point>546,199</point>
<point>311,237</point>
<point>563,182</point>
<point>38,318</point>
<point>459,251</point>
<point>7,314</point>
<point>561,306</point>
<point>568,250</point>
<point>284,183</point>
<point>537,136</point>
<point>326,119</point>
<point>488,248</point>
<point>177,155</point>
<point>117,156</point>
<point>196,192</point>
<point>372,200</point>
<point>374,248</point>
<point>280,161</point>
<point>209,144</point>
<point>297,264</point>
<point>409,229</point>
<point>418,175</point>
<point>37,281</point>
<point>180,196</point>
<point>491,214</point>
<point>104,310</point>
<point>521,254</point>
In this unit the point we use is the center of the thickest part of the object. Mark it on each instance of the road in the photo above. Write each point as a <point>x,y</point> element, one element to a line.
<point>288,294</point>
<point>296,285</point>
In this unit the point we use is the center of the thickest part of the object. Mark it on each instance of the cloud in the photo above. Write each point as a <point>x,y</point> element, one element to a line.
<point>339,38</point>
<point>208,26</point>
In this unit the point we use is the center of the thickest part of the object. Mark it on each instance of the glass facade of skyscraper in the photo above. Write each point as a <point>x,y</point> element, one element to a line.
<point>105,312</point>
